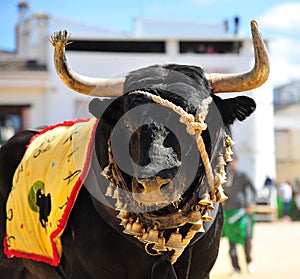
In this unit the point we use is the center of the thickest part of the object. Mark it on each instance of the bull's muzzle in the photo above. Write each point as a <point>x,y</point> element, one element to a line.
<point>153,191</point>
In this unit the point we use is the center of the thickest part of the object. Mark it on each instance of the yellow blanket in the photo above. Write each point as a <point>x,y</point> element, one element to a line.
<point>45,186</point>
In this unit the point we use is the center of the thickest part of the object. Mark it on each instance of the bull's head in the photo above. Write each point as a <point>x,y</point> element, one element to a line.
<point>164,141</point>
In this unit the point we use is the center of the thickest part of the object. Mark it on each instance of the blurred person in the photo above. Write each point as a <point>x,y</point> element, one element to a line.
<point>201,48</point>
<point>268,187</point>
<point>239,215</point>
<point>286,194</point>
<point>268,182</point>
<point>210,49</point>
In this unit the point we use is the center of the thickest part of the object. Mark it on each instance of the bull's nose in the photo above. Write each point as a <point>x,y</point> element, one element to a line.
<point>148,185</point>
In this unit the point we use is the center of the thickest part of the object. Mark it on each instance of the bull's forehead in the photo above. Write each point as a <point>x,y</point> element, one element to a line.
<point>160,157</point>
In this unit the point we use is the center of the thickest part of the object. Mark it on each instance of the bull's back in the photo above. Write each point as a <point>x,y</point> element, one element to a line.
<point>11,154</point>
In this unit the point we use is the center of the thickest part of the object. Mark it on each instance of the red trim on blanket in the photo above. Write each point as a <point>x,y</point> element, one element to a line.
<point>56,258</point>
<point>51,127</point>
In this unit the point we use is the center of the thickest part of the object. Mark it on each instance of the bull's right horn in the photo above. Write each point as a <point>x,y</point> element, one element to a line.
<point>249,80</point>
<point>99,87</point>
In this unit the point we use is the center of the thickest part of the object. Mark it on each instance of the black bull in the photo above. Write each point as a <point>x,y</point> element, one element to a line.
<point>94,245</point>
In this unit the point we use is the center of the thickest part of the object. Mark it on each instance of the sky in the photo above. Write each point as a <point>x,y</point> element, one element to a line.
<point>279,21</point>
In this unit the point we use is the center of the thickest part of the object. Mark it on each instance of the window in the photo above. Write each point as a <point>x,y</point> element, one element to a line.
<point>118,46</point>
<point>209,47</point>
<point>12,119</point>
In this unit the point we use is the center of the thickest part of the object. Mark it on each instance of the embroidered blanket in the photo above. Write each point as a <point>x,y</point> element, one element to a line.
<point>45,187</point>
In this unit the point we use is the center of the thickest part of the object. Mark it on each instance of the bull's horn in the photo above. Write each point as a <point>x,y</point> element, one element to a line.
<point>100,87</point>
<point>249,80</point>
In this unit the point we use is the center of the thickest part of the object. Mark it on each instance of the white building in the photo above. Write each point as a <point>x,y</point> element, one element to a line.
<point>28,80</point>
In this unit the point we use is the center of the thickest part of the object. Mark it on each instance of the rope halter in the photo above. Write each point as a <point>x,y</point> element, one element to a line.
<point>194,126</point>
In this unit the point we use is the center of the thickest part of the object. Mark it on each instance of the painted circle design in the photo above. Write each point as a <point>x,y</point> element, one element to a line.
<point>32,195</point>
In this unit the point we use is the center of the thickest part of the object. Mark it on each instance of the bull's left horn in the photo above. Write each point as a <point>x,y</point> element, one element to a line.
<point>100,87</point>
<point>249,80</point>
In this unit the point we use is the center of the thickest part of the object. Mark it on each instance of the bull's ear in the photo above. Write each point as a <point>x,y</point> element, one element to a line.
<point>97,106</point>
<point>236,108</point>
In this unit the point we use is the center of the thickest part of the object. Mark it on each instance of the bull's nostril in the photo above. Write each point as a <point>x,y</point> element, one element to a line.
<point>164,186</point>
<point>140,186</point>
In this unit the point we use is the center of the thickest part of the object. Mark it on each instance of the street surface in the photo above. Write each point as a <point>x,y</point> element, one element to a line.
<point>276,253</point>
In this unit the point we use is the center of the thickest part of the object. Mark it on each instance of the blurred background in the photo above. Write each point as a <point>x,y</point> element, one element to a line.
<point>111,38</point>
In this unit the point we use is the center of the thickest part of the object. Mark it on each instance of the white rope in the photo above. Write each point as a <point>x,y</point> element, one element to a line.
<point>194,126</point>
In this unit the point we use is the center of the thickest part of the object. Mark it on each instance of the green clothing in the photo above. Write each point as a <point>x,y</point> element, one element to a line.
<point>235,225</point>
<point>292,211</point>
